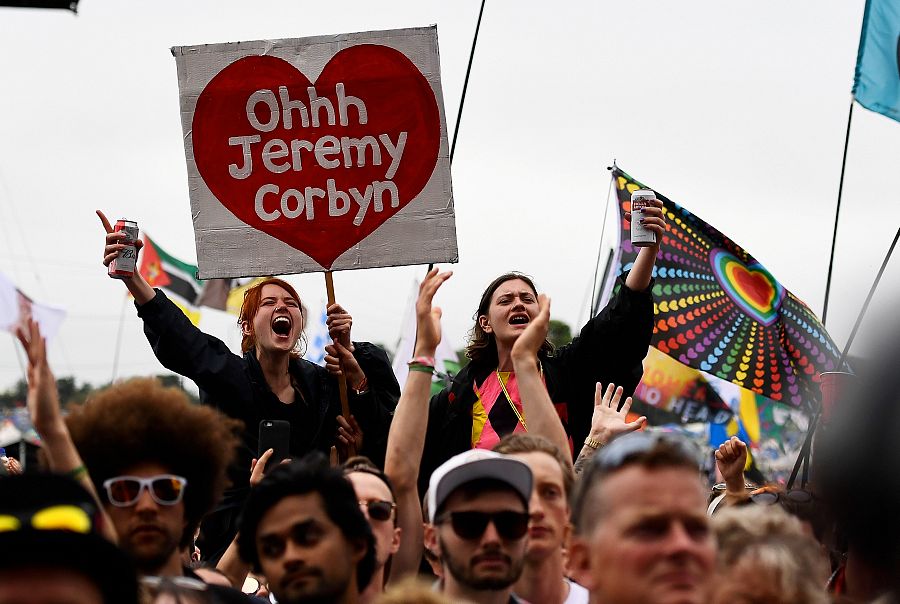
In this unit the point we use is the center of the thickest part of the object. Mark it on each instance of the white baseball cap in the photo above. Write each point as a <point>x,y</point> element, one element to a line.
<point>477,464</point>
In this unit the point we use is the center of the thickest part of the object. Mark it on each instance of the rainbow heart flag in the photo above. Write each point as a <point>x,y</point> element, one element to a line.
<point>717,309</point>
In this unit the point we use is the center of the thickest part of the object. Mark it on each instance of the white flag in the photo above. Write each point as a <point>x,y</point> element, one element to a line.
<point>16,308</point>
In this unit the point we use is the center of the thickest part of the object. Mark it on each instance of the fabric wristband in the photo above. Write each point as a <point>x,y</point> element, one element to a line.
<point>422,368</point>
<point>77,473</point>
<point>425,361</point>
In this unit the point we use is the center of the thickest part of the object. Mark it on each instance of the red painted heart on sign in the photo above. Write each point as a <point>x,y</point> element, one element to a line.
<point>397,99</point>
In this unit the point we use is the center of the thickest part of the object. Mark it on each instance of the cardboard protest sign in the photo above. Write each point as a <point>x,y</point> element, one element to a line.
<point>317,153</point>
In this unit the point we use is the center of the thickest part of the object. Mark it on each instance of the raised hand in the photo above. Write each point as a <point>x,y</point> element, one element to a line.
<point>654,219</point>
<point>731,458</point>
<point>43,397</point>
<point>608,421</point>
<point>113,239</point>
<point>428,317</point>
<point>529,343</point>
<point>339,323</point>
<point>138,287</point>
<point>258,467</point>
<point>13,467</point>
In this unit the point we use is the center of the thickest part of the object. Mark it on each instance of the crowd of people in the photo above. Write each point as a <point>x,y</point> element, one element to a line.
<point>523,481</point>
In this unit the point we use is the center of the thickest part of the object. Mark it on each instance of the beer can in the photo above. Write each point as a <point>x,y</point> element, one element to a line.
<point>641,236</point>
<point>124,265</point>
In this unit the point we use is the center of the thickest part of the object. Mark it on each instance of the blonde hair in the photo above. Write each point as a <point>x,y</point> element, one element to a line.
<point>766,556</point>
<point>412,591</point>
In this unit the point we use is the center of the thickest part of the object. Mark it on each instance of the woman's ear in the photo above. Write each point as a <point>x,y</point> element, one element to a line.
<point>485,324</point>
<point>245,328</point>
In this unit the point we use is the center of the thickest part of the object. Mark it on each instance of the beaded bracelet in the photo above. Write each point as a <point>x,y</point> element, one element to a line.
<point>362,387</point>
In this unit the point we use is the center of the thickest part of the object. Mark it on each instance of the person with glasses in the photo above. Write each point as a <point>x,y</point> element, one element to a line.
<point>159,464</point>
<point>641,533</point>
<point>304,529</point>
<point>478,525</point>
<point>376,500</point>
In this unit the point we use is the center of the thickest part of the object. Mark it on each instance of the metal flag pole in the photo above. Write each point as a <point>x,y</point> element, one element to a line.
<point>462,100</point>
<point>837,214</point>
<point>115,367</point>
<point>803,457</point>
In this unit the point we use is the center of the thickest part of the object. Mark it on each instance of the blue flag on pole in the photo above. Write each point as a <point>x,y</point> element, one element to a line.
<point>877,83</point>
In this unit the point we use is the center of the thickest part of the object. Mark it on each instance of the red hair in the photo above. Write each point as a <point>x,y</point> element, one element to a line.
<point>250,306</point>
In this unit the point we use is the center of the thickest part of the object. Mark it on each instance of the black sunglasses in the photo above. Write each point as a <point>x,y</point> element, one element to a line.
<point>471,525</point>
<point>379,509</point>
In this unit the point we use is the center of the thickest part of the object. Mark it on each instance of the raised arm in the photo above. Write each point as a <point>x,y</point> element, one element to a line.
<point>406,439</point>
<point>230,564</point>
<point>607,422</point>
<point>731,459</point>
<point>540,415</point>
<point>642,271</point>
<point>44,409</point>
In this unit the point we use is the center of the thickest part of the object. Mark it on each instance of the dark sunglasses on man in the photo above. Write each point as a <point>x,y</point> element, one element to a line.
<point>378,509</point>
<point>471,525</point>
<point>164,489</point>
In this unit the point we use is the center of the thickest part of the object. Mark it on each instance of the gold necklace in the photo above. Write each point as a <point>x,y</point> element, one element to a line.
<point>509,400</point>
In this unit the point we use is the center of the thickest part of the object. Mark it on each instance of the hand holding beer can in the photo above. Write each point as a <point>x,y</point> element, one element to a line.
<point>641,236</point>
<point>123,266</point>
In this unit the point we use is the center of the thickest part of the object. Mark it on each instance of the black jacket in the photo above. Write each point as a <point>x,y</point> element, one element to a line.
<point>236,386</point>
<point>610,348</point>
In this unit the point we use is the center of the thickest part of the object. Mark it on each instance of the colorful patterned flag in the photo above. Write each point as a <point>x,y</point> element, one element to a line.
<point>178,278</point>
<point>876,85</point>
<point>720,311</point>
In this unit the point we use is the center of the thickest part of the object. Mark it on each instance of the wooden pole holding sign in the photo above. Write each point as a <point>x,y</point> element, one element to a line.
<point>342,381</point>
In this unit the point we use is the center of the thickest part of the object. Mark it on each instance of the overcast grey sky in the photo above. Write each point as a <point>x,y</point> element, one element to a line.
<point>736,110</point>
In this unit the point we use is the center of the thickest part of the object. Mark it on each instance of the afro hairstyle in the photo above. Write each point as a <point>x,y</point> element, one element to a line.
<point>140,421</point>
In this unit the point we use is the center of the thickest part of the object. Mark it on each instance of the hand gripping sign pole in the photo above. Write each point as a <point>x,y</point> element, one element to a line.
<point>342,380</point>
